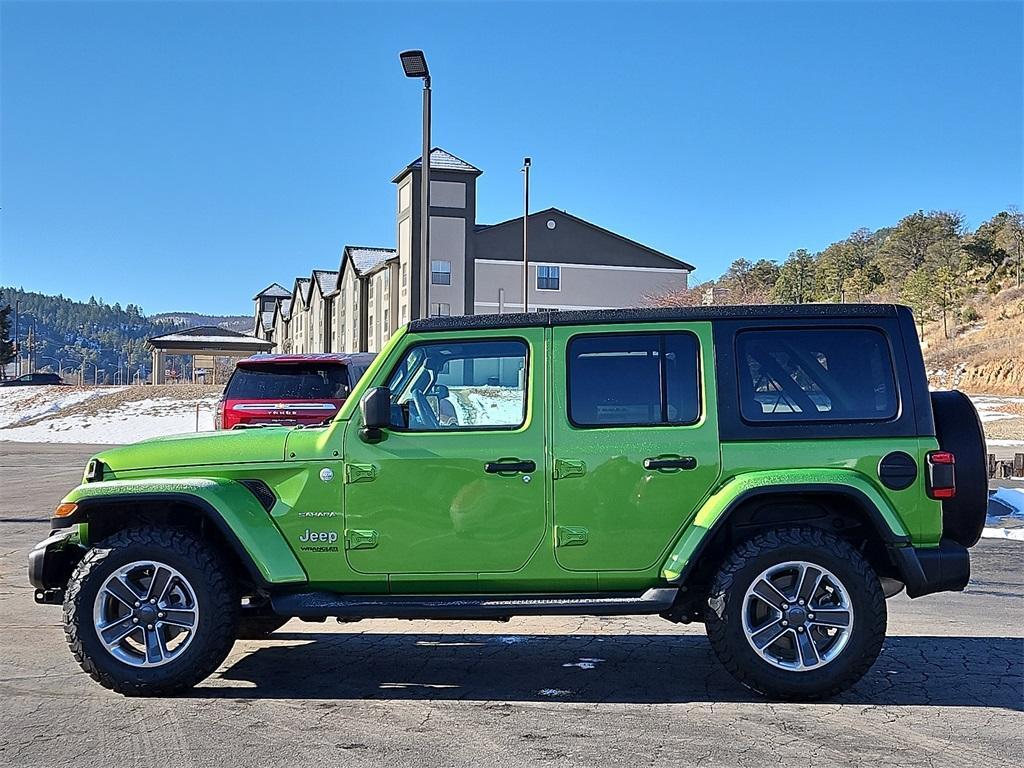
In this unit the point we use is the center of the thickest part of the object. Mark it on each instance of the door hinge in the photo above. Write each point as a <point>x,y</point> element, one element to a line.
<point>360,473</point>
<point>569,468</point>
<point>571,536</point>
<point>360,539</point>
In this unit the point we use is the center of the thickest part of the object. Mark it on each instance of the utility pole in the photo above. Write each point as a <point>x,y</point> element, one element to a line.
<point>526,219</point>
<point>17,344</point>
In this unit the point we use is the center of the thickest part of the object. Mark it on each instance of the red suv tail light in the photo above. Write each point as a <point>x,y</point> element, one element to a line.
<point>941,475</point>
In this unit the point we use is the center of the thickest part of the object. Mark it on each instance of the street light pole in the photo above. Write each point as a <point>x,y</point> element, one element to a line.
<point>415,65</point>
<point>526,219</point>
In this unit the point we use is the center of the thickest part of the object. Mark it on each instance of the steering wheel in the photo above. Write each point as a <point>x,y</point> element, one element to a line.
<point>423,412</point>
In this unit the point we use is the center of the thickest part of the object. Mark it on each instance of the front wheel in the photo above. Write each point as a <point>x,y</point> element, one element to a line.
<point>150,611</point>
<point>796,613</point>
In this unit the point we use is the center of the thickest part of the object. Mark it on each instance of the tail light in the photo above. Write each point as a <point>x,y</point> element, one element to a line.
<point>218,416</point>
<point>941,475</point>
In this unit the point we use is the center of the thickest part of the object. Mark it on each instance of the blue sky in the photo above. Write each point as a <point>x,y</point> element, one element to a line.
<point>180,156</point>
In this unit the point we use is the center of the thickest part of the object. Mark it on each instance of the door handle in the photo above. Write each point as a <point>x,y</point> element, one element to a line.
<point>678,462</point>
<point>499,467</point>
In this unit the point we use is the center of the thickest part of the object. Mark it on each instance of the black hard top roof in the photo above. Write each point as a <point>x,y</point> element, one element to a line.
<point>655,315</point>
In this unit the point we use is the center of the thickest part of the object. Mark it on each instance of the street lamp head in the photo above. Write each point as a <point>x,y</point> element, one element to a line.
<point>414,63</point>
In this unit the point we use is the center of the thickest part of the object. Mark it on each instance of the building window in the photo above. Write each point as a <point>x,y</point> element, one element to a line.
<point>548,278</point>
<point>441,272</point>
<point>440,309</point>
<point>386,327</point>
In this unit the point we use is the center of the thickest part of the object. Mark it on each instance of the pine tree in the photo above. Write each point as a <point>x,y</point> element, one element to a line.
<point>6,344</point>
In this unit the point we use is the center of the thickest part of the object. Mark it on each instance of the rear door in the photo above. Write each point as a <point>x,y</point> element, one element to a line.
<point>634,440</point>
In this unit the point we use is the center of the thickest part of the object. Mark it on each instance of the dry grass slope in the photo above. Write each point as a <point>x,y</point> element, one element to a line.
<point>986,356</point>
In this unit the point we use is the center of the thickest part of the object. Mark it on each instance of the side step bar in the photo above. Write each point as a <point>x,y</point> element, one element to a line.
<point>322,604</point>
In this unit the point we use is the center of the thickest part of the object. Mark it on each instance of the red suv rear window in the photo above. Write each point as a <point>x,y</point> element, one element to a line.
<point>288,381</point>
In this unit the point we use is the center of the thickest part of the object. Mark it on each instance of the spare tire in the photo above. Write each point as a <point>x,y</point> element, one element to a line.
<point>959,431</point>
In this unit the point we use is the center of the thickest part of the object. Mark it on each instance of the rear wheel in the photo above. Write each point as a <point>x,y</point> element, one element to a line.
<point>150,611</point>
<point>796,613</point>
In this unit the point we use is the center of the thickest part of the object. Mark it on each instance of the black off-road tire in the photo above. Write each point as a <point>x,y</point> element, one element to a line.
<point>215,592</point>
<point>259,627</point>
<point>724,621</point>
<point>958,430</point>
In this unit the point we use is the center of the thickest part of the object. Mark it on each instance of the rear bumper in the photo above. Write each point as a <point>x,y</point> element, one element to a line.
<point>946,568</point>
<point>51,562</point>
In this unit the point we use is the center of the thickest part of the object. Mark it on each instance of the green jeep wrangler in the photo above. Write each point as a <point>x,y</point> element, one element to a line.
<point>772,472</point>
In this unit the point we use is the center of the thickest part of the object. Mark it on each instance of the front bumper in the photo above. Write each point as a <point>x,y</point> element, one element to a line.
<point>51,562</point>
<point>946,568</point>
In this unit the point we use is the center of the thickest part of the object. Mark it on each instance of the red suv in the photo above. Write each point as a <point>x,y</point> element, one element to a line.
<point>289,389</point>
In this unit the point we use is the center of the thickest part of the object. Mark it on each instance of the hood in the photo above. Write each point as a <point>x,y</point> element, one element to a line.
<point>229,447</point>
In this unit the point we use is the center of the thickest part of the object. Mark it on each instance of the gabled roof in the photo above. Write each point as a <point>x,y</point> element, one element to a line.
<point>656,257</point>
<point>301,288</point>
<point>202,330</point>
<point>440,160</point>
<point>284,308</point>
<point>208,337</point>
<point>276,290</point>
<point>366,260</point>
<point>267,319</point>
<point>326,281</point>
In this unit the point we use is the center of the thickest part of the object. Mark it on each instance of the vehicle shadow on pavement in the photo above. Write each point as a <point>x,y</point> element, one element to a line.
<point>647,669</point>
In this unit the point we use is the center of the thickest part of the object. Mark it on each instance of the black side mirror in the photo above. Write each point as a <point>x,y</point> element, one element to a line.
<point>376,410</point>
<point>439,391</point>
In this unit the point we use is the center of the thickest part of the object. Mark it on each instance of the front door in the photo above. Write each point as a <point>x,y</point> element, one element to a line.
<point>634,440</point>
<point>457,484</point>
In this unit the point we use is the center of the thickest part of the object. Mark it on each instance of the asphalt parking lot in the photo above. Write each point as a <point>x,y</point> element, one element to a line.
<point>947,690</point>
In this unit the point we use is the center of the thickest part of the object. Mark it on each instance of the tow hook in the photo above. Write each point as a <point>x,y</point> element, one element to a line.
<point>53,596</point>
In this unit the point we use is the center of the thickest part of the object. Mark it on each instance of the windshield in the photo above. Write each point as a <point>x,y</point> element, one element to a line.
<point>296,381</point>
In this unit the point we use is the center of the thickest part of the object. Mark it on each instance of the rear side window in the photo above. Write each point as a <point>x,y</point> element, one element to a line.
<point>294,381</point>
<point>816,374</point>
<point>624,379</point>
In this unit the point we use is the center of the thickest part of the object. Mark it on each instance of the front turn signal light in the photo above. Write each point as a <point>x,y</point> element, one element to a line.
<point>65,510</point>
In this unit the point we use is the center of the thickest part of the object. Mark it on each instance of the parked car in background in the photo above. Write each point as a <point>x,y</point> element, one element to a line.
<point>289,389</point>
<point>33,380</point>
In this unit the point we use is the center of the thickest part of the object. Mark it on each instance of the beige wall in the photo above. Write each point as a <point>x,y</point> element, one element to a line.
<point>280,337</point>
<point>315,329</point>
<point>346,313</point>
<point>581,286</point>
<point>404,241</point>
<point>448,243</point>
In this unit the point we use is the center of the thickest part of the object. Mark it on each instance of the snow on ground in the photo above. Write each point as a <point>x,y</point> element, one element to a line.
<point>487,405</point>
<point>1005,515</point>
<point>991,408</point>
<point>105,415</point>
<point>19,404</point>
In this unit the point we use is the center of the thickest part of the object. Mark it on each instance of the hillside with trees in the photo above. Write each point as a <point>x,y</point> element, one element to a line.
<point>65,335</point>
<point>964,287</point>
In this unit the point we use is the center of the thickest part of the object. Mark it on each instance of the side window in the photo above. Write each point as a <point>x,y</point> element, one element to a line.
<point>817,374</point>
<point>460,386</point>
<point>623,379</point>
